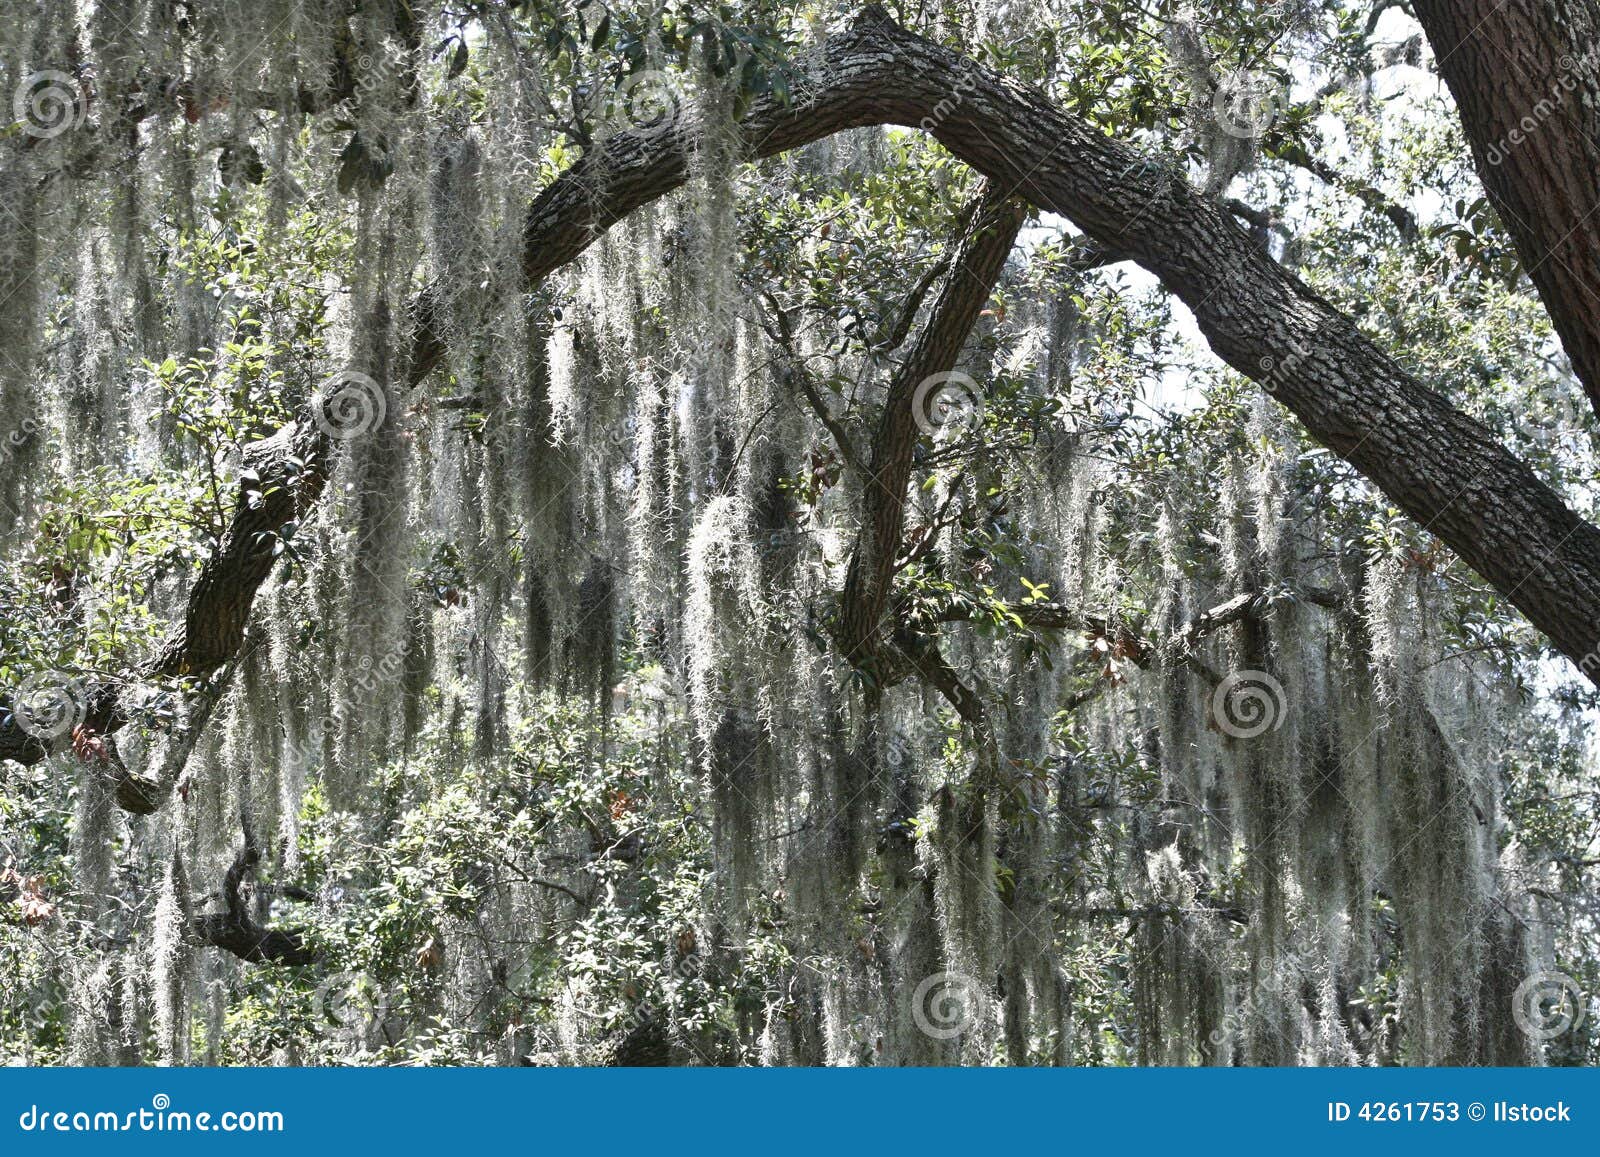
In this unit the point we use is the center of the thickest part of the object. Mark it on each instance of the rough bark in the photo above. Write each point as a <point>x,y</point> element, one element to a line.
<point>280,480</point>
<point>291,468</point>
<point>1526,81</point>
<point>1440,466</point>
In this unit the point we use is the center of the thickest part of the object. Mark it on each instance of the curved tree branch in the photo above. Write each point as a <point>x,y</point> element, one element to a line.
<point>280,479</point>
<point>235,931</point>
<point>977,267</point>
<point>1437,464</point>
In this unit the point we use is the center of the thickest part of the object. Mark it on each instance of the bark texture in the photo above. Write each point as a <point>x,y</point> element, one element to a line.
<point>1526,81</point>
<point>281,479</point>
<point>236,931</point>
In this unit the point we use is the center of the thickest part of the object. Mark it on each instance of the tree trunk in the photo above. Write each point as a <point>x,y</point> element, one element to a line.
<point>1526,80</point>
<point>996,219</point>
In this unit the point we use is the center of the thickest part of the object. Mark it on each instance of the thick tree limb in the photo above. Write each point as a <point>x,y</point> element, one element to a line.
<point>280,480</point>
<point>1051,616</point>
<point>1526,81</point>
<point>235,931</point>
<point>1123,641</point>
<point>977,267</point>
<point>291,466</point>
<point>282,477</point>
<point>1440,466</point>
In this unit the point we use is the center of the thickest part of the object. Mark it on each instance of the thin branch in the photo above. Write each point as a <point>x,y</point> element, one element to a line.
<point>528,878</point>
<point>1404,221</point>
